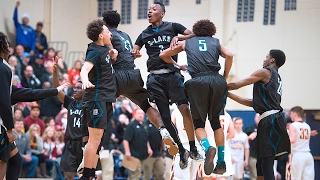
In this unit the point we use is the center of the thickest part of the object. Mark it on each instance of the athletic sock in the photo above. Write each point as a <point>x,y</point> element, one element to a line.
<point>181,148</point>
<point>220,154</point>
<point>87,172</point>
<point>192,145</point>
<point>205,144</point>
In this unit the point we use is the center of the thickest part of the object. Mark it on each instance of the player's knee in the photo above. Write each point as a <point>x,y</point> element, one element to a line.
<point>183,102</point>
<point>198,123</point>
<point>215,123</point>
<point>145,105</point>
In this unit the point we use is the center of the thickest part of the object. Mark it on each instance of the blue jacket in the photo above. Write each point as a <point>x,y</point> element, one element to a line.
<point>25,35</point>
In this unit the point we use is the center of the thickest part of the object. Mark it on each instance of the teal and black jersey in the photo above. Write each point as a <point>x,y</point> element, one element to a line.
<point>75,113</point>
<point>101,75</point>
<point>202,54</point>
<point>158,39</point>
<point>122,43</point>
<point>268,96</point>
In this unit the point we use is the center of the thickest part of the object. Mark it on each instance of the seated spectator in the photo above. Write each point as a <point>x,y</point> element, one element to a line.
<point>64,79</point>
<point>23,144</point>
<point>47,75</point>
<point>34,117</point>
<point>29,80</point>
<point>19,52</point>
<point>16,81</point>
<point>125,108</point>
<point>121,128</point>
<point>74,72</point>
<point>38,67</point>
<point>49,121</point>
<point>50,151</point>
<point>41,39</point>
<point>50,53</point>
<point>13,61</point>
<point>62,118</point>
<point>36,145</point>
<point>59,139</point>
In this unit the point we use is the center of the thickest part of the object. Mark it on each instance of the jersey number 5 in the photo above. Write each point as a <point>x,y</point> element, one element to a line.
<point>304,133</point>
<point>202,45</point>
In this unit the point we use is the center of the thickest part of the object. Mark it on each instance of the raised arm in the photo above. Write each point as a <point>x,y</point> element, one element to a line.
<point>15,14</point>
<point>241,100</point>
<point>292,134</point>
<point>55,79</point>
<point>224,52</point>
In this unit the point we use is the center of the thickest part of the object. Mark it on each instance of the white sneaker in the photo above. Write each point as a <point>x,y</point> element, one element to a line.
<point>169,142</point>
<point>81,165</point>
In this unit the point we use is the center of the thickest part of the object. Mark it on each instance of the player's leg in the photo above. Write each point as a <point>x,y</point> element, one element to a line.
<point>265,168</point>
<point>14,165</point>
<point>308,172</point>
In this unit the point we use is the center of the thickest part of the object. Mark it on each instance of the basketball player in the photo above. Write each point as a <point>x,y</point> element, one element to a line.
<point>72,153</point>
<point>302,163</point>
<point>100,91</point>
<point>207,90</point>
<point>272,137</point>
<point>165,83</point>
<point>128,79</point>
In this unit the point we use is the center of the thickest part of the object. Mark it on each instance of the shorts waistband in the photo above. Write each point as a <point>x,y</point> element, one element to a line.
<point>123,68</point>
<point>75,139</point>
<point>161,71</point>
<point>268,113</point>
<point>208,73</point>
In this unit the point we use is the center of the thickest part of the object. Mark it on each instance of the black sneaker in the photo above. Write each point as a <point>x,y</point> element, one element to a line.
<point>208,163</point>
<point>194,154</point>
<point>184,160</point>
<point>220,168</point>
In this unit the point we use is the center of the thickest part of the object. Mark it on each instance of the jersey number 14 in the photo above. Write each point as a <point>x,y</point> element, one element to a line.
<point>76,122</point>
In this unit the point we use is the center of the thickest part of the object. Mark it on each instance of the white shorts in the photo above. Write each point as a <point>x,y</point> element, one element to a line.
<point>302,166</point>
<point>192,172</point>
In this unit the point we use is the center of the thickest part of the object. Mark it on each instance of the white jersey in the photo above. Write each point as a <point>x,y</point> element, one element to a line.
<point>238,144</point>
<point>303,131</point>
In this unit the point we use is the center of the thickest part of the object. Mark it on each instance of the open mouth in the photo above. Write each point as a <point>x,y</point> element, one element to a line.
<point>149,16</point>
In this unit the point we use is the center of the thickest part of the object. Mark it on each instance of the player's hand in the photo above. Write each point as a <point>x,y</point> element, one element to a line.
<point>174,42</point>
<point>17,4</point>
<point>87,84</point>
<point>113,53</point>
<point>128,155</point>
<point>313,133</point>
<point>150,152</point>
<point>183,67</point>
<point>136,53</point>
<point>31,53</point>
<point>55,63</point>
<point>12,136</point>
<point>64,85</point>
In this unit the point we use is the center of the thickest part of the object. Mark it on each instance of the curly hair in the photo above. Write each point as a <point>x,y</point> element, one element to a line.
<point>111,18</point>
<point>4,48</point>
<point>94,28</point>
<point>279,56</point>
<point>204,27</point>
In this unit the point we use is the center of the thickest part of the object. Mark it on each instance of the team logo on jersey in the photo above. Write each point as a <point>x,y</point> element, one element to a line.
<point>159,39</point>
<point>108,58</point>
<point>95,112</point>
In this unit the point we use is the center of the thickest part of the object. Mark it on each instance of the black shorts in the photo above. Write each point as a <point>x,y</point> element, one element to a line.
<point>207,95</point>
<point>5,146</point>
<point>130,84</point>
<point>71,156</point>
<point>272,137</point>
<point>97,114</point>
<point>167,87</point>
